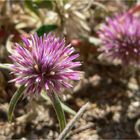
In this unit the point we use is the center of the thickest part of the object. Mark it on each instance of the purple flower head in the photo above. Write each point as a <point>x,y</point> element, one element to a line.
<point>44,62</point>
<point>120,38</point>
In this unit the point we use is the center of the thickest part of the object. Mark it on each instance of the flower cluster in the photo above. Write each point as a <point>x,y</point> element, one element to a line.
<point>44,63</point>
<point>120,38</point>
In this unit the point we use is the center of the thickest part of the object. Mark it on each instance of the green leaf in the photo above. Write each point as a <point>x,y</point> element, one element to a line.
<point>46,29</point>
<point>58,109</point>
<point>65,107</point>
<point>14,101</point>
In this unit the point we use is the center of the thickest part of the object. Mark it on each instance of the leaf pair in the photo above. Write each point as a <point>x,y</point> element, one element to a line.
<point>57,104</point>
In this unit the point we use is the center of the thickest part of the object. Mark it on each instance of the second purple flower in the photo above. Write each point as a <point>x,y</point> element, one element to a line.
<point>120,38</point>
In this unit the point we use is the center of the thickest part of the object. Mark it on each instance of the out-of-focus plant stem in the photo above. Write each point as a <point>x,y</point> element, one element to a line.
<point>60,10</point>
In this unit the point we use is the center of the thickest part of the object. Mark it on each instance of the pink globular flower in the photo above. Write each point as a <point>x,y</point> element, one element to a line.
<point>44,63</point>
<point>120,38</point>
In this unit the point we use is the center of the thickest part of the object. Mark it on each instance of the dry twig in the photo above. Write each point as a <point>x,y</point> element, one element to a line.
<point>72,122</point>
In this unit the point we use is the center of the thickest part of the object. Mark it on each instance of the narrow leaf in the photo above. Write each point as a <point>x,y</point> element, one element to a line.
<point>65,107</point>
<point>5,66</point>
<point>14,101</point>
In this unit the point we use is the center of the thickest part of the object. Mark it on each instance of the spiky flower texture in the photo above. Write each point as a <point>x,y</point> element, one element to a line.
<point>120,38</point>
<point>44,63</point>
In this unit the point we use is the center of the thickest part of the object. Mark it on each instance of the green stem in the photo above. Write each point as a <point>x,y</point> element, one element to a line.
<point>58,109</point>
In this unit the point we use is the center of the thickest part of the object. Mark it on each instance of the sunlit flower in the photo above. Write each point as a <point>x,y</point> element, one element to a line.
<point>44,63</point>
<point>120,38</point>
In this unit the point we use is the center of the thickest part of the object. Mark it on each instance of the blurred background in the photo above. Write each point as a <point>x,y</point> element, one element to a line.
<point>111,88</point>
